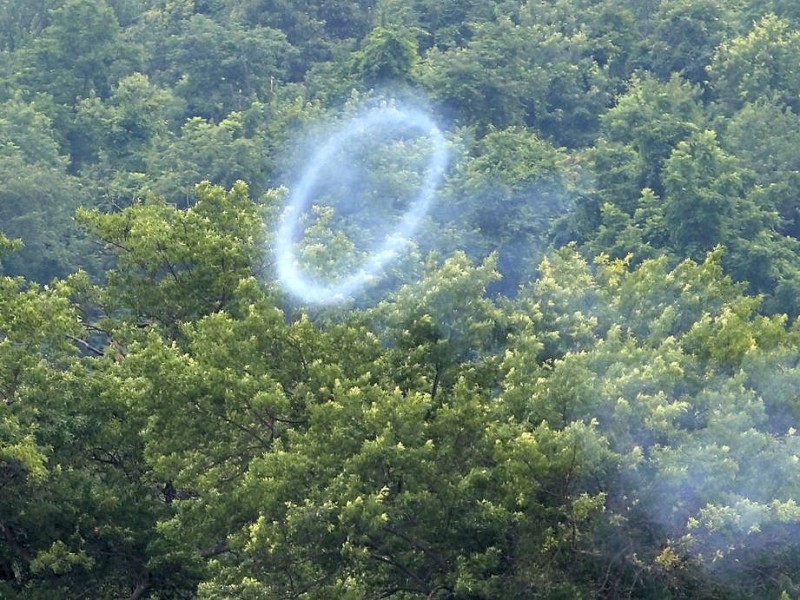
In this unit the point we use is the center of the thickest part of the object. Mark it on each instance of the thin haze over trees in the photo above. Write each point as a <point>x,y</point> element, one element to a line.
<point>579,379</point>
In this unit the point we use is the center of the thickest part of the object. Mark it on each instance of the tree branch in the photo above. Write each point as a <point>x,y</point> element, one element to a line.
<point>221,547</point>
<point>14,544</point>
<point>86,345</point>
<point>140,589</point>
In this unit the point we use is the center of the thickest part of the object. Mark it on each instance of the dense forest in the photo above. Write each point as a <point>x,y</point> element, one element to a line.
<point>580,378</point>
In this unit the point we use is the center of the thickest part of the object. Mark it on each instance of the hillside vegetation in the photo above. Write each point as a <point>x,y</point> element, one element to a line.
<point>581,381</point>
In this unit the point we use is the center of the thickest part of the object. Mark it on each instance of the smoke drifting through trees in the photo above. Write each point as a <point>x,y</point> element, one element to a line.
<point>621,425</point>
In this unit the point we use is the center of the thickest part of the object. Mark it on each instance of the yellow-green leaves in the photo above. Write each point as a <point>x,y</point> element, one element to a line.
<point>177,265</point>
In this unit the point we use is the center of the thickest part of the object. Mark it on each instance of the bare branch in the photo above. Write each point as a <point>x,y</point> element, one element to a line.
<point>85,345</point>
<point>221,547</point>
<point>140,589</point>
<point>12,542</point>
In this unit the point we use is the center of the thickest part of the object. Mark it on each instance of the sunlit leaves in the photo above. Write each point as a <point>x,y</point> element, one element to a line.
<point>671,374</point>
<point>758,65</point>
<point>176,265</point>
<point>386,55</point>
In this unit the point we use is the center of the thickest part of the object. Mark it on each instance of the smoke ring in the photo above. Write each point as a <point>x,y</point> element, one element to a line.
<point>289,272</point>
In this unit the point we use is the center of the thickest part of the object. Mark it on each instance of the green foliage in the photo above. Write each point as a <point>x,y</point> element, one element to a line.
<point>510,193</point>
<point>763,136</point>
<point>686,35</point>
<point>632,237</point>
<point>123,130</point>
<point>222,153</point>
<point>29,134</point>
<point>178,265</point>
<point>637,365</point>
<point>443,322</point>
<point>590,391</point>
<point>20,21</point>
<point>386,56</point>
<point>78,54</point>
<point>759,65</point>
<point>37,198</point>
<point>640,133</point>
<point>218,69</point>
<point>510,74</point>
<point>63,455</point>
<point>702,188</point>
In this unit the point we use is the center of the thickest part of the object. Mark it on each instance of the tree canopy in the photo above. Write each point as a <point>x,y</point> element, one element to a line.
<point>582,379</point>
